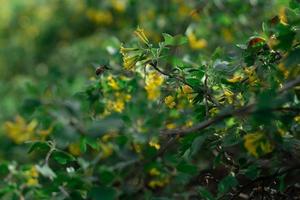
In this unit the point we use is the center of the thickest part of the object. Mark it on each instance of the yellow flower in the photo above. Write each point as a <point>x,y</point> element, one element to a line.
<point>161,182</point>
<point>140,33</point>
<point>106,150</point>
<point>227,35</point>
<point>170,126</point>
<point>112,83</point>
<point>256,141</point>
<point>19,131</point>
<point>154,172</point>
<point>32,182</point>
<point>229,96</point>
<point>100,16</point>
<point>154,143</point>
<point>196,43</point>
<point>117,106</point>
<point>189,123</point>
<point>282,15</point>
<point>188,92</point>
<point>250,72</point>
<point>130,61</point>
<point>297,119</point>
<point>74,149</point>
<point>169,101</point>
<point>153,82</point>
<point>124,50</point>
<point>119,5</point>
<point>32,176</point>
<point>235,78</point>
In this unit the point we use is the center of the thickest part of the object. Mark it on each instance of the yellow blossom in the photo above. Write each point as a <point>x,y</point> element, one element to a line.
<point>189,123</point>
<point>140,33</point>
<point>74,149</point>
<point>169,101</point>
<point>250,72</point>
<point>112,83</point>
<point>99,16</point>
<point>196,43</point>
<point>19,131</point>
<point>153,82</point>
<point>227,35</point>
<point>297,119</point>
<point>32,176</point>
<point>154,143</point>
<point>161,182</point>
<point>130,61</point>
<point>154,172</point>
<point>106,150</point>
<point>119,5</point>
<point>235,78</point>
<point>229,96</point>
<point>170,126</point>
<point>256,141</point>
<point>32,182</point>
<point>282,15</point>
<point>188,91</point>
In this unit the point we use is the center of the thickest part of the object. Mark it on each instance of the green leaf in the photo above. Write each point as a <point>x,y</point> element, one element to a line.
<point>174,41</point>
<point>205,193</point>
<point>293,58</point>
<point>103,193</point>
<point>187,168</point>
<point>39,145</point>
<point>62,157</point>
<point>227,183</point>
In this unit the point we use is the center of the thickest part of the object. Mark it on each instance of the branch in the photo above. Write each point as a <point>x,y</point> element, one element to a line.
<point>263,178</point>
<point>241,111</point>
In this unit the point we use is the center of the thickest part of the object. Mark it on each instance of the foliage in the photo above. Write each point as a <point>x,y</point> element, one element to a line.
<point>123,99</point>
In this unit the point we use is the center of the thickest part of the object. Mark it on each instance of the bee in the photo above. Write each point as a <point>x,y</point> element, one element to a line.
<point>101,69</point>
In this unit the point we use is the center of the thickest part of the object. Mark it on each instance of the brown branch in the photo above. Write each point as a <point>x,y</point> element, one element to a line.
<point>241,111</point>
<point>262,178</point>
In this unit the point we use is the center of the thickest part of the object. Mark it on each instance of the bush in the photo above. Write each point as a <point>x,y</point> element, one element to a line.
<point>150,100</point>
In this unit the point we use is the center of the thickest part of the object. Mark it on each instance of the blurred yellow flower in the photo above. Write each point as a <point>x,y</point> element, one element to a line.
<point>32,176</point>
<point>112,83</point>
<point>161,182</point>
<point>20,131</point>
<point>170,101</point>
<point>154,143</point>
<point>170,126</point>
<point>106,150</point>
<point>235,78</point>
<point>297,119</point>
<point>153,82</point>
<point>255,142</point>
<point>74,149</point>
<point>119,5</point>
<point>99,16</point>
<point>154,172</point>
<point>189,123</point>
<point>227,35</point>
<point>229,96</point>
<point>196,43</point>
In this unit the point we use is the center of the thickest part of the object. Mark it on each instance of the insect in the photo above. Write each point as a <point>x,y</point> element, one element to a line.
<point>101,69</point>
